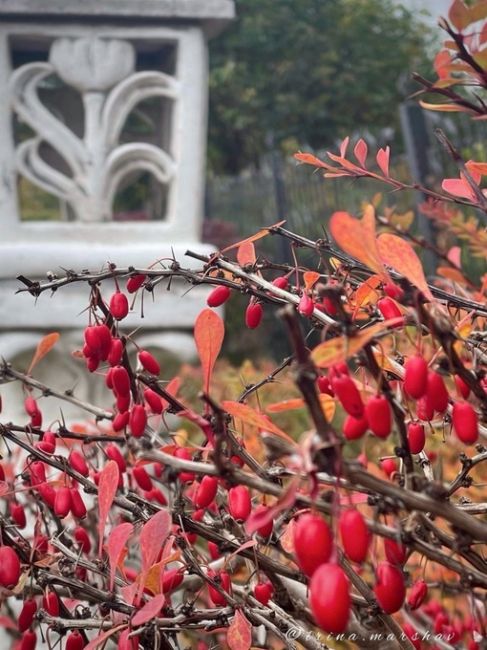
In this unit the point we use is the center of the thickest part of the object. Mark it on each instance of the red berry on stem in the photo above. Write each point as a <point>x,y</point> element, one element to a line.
<point>281,282</point>
<point>135,282</point>
<point>62,502</point>
<point>263,592</point>
<point>116,352</point>
<point>206,491</point>
<point>81,536</point>
<point>306,305</point>
<point>329,598</point>
<point>354,534</point>
<point>395,552</point>
<point>137,420</point>
<point>465,422</point>
<point>324,386</point>
<point>78,507</point>
<point>266,529</point>
<point>119,305</point>
<point>417,594</point>
<point>416,437</point>
<point>120,381</point>
<point>149,362</point>
<point>462,387</point>
<point>27,613</point>
<point>78,463</point>
<point>313,542</point>
<point>378,412</point>
<point>184,454</point>
<point>436,392</point>
<point>218,296</point>
<point>239,502</point>
<point>389,466</point>
<point>354,428</point>
<point>389,588</point>
<point>50,602</point>
<point>9,567</point>
<point>153,400</point>
<point>114,453</point>
<point>28,640</point>
<point>253,315</point>
<point>348,394</point>
<point>171,580</point>
<point>223,579</point>
<point>17,513</point>
<point>416,376</point>
<point>143,479</point>
<point>74,641</point>
<point>120,421</point>
<point>389,309</point>
<point>424,408</point>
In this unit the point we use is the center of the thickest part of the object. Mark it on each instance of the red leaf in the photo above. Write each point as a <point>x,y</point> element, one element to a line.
<point>152,537</point>
<point>344,146</point>
<point>360,151</point>
<point>115,545</point>
<point>250,416</point>
<point>209,331</point>
<point>107,488</point>
<point>458,187</point>
<point>171,388</point>
<point>101,638</point>
<point>43,347</point>
<point>309,159</point>
<point>286,501</point>
<point>401,256</point>
<point>383,160</point>
<point>246,253</point>
<point>239,635</point>
<point>149,611</point>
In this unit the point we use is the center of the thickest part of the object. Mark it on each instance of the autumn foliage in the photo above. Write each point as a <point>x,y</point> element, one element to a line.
<point>334,498</point>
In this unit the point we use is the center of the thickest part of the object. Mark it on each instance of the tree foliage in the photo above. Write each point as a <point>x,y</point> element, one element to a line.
<point>307,72</point>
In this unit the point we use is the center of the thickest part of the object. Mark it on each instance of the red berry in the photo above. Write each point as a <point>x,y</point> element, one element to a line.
<point>50,602</point>
<point>213,550</point>
<point>37,473</point>
<point>424,408</point>
<point>465,422</point>
<point>153,400</point>
<point>417,594</point>
<point>78,507</point>
<point>171,580</point>
<point>62,502</point>
<point>313,542</point>
<point>436,392</point>
<point>135,282</point>
<point>389,309</point>
<point>48,442</point>
<point>253,315</point>
<point>348,394</point>
<point>354,428</point>
<point>137,421</point>
<point>47,494</point>
<point>416,377</point>
<point>324,386</point>
<point>389,466</point>
<point>378,412</point>
<point>354,534</point>
<point>78,463</point>
<point>462,387</point>
<point>156,495</point>
<point>28,640</point>
<point>143,479</point>
<point>389,588</point>
<point>239,502</point>
<point>224,579</point>
<point>31,407</point>
<point>114,453</point>
<point>9,567</point>
<point>329,598</point>
<point>119,305</point>
<point>416,437</point>
<point>206,491</point>
<point>265,530</point>
<point>184,454</point>
<point>116,352</point>
<point>306,305</point>
<point>395,552</point>
<point>74,641</point>
<point>120,421</point>
<point>263,592</point>
<point>17,513</point>
<point>393,291</point>
<point>120,380</point>
<point>218,296</point>
<point>104,341</point>
<point>27,613</point>
<point>149,362</point>
<point>281,282</point>
<point>81,536</point>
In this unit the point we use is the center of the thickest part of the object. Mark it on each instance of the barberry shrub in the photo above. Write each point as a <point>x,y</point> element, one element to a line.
<point>173,521</point>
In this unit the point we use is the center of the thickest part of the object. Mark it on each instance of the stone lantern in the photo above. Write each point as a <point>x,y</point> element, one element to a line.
<point>102,153</point>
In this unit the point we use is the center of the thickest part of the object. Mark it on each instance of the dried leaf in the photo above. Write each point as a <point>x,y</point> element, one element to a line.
<point>258,235</point>
<point>357,238</point>
<point>117,540</point>
<point>43,347</point>
<point>149,611</point>
<point>341,348</point>
<point>401,256</point>
<point>246,253</point>
<point>107,488</point>
<point>209,331</point>
<point>250,416</point>
<point>239,634</point>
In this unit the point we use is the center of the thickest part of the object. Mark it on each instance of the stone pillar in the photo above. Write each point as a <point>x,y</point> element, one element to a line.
<point>77,75</point>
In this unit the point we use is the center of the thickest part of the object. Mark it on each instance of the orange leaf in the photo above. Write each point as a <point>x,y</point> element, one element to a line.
<point>357,238</point>
<point>367,293</point>
<point>459,15</point>
<point>309,159</point>
<point>310,279</point>
<point>107,488</point>
<point>258,235</point>
<point>239,635</point>
<point>246,253</point>
<point>172,388</point>
<point>250,416</point>
<point>209,331</point>
<point>327,404</point>
<point>444,108</point>
<point>43,347</point>
<point>401,256</point>
<point>383,160</point>
<point>451,274</point>
<point>341,348</point>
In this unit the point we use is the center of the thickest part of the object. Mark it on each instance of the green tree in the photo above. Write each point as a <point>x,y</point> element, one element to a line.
<point>307,71</point>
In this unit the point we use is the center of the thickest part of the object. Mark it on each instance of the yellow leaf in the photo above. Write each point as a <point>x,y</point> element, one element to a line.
<point>327,404</point>
<point>250,416</point>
